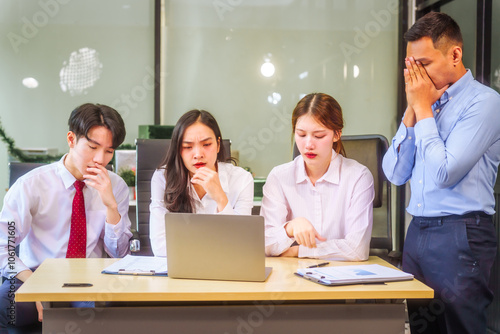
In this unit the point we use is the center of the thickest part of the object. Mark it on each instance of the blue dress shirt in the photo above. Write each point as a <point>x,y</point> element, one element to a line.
<point>452,159</point>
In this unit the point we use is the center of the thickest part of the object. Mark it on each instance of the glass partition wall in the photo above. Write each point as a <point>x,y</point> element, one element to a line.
<point>58,54</point>
<point>247,62</point>
<point>250,62</point>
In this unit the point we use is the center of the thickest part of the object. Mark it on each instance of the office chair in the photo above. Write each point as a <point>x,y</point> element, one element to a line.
<point>369,151</point>
<point>18,169</point>
<point>150,153</point>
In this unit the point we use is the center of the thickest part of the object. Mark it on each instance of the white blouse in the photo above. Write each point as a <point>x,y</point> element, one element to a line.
<point>339,207</point>
<point>236,182</point>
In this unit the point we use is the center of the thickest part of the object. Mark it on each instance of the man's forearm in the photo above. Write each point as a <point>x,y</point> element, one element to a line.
<point>24,275</point>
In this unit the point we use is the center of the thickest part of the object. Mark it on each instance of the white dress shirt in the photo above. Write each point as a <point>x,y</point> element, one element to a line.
<point>236,183</point>
<point>339,207</point>
<point>37,215</point>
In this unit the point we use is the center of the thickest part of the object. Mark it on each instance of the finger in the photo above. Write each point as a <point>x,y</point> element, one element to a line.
<point>101,167</point>
<point>97,172</point>
<point>93,184</point>
<point>408,72</point>
<point>407,76</point>
<point>319,237</point>
<point>39,308</point>
<point>299,239</point>
<point>422,71</point>
<point>415,68</point>
<point>312,240</point>
<point>206,173</point>
<point>94,179</point>
<point>196,181</point>
<point>411,70</point>
<point>92,176</point>
<point>199,175</point>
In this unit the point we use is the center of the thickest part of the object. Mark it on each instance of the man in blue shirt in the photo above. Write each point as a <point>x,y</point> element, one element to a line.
<point>448,145</point>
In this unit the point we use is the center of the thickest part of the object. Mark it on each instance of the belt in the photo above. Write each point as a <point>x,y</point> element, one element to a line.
<point>473,214</point>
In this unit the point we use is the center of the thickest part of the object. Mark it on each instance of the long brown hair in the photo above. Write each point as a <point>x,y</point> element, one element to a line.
<point>326,110</point>
<point>177,192</point>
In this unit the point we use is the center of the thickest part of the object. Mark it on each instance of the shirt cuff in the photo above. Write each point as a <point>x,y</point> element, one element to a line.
<point>19,266</point>
<point>114,231</point>
<point>228,209</point>
<point>403,135</point>
<point>307,252</point>
<point>283,242</point>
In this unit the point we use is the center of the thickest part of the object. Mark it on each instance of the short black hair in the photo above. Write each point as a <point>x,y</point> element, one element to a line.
<point>88,115</point>
<point>437,26</point>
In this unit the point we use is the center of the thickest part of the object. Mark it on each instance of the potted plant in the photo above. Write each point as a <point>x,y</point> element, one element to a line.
<point>128,175</point>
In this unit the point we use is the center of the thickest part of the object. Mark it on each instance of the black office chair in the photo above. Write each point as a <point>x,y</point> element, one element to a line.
<point>150,153</point>
<point>18,169</point>
<point>369,151</point>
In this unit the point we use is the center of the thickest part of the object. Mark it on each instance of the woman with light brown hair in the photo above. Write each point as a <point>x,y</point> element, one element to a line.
<point>320,204</point>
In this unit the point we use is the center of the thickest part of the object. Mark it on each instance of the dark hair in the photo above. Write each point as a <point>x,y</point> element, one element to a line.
<point>326,110</point>
<point>440,27</point>
<point>177,192</point>
<point>88,115</point>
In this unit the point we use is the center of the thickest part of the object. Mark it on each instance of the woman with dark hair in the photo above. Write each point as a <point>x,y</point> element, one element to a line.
<point>320,204</point>
<point>195,177</point>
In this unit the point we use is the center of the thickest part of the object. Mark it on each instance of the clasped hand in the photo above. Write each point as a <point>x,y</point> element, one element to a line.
<point>421,93</point>
<point>208,179</point>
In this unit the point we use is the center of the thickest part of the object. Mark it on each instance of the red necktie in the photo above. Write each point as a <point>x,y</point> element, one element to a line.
<point>77,245</point>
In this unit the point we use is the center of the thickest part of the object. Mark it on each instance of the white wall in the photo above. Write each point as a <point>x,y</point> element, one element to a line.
<point>214,54</point>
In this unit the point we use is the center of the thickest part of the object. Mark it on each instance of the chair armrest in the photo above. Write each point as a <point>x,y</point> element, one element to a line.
<point>135,243</point>
<point>395,258</point>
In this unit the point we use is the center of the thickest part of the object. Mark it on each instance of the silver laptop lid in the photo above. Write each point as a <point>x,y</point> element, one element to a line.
<point>215,246</point>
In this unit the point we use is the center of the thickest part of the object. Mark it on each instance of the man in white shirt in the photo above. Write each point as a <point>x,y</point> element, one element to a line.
<point>38,208</point>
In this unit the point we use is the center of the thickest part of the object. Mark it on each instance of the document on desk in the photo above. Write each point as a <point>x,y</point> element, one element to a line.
<point>353,274</point>
<point>138,265</point>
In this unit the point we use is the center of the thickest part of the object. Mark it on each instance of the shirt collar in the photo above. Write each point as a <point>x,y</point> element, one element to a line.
<point>67,178</point>
<point>332,174</point>
<point>456,88</point>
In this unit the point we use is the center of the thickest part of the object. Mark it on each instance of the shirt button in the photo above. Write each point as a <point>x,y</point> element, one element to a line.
<point>419,205</point>
<point>409,137</point>
<point>420,181</point>
<point>402,137</point>
<point>437,110</point>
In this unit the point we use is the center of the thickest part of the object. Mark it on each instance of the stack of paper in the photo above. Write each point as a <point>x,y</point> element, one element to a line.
<point>138,265</point>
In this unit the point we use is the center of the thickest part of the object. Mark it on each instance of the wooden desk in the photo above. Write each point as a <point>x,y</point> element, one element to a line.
<point>284,303</point>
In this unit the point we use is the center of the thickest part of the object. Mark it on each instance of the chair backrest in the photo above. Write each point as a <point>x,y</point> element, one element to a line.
<point>369,151</point>
<point>18,169</point>
<point>150,153</point>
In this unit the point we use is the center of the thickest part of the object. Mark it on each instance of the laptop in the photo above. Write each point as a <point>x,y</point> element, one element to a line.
<point>216,246</point>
